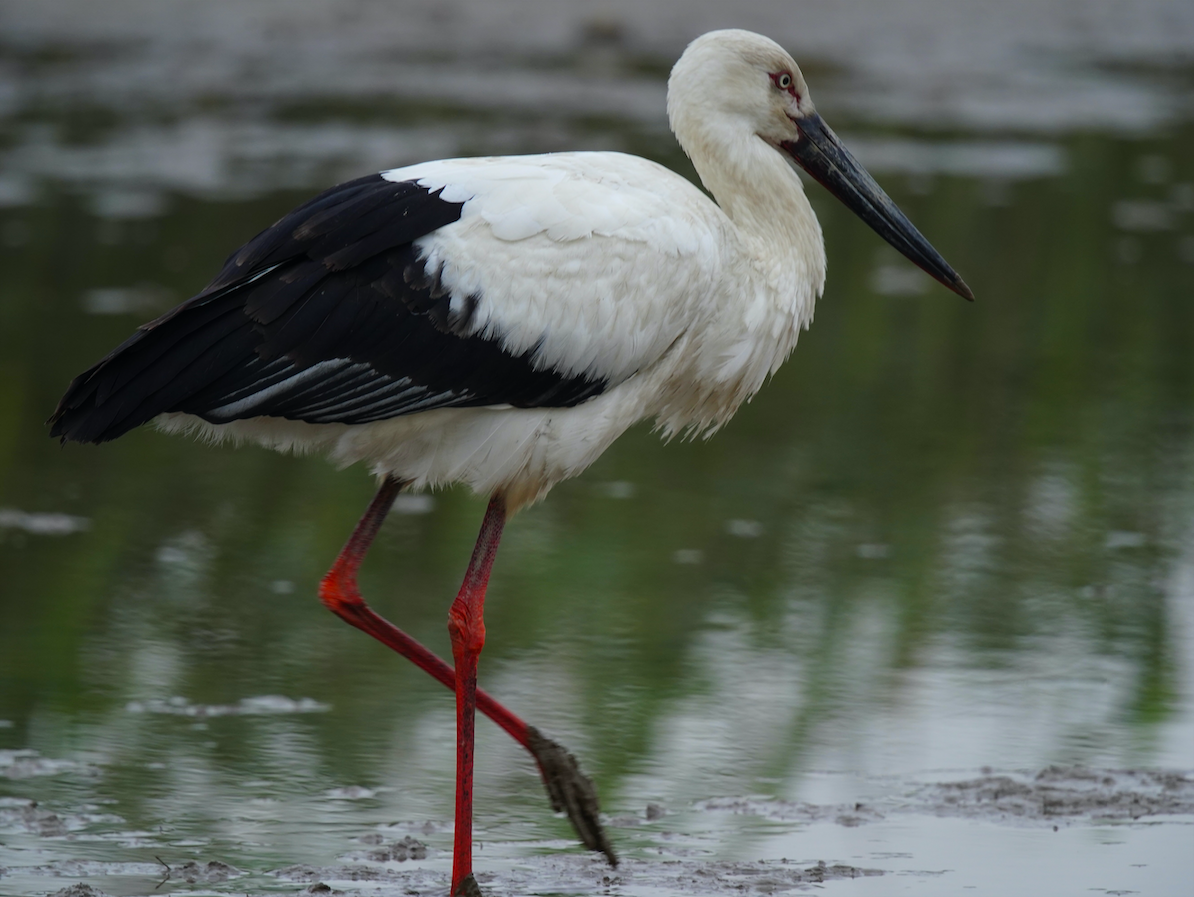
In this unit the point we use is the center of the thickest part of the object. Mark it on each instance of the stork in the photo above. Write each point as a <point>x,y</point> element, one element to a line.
<point>499,321</point>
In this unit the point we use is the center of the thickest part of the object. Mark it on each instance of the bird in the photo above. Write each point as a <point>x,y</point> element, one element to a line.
<point>498,322</point>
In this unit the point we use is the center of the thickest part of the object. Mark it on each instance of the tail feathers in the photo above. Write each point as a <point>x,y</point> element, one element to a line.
<point>158,367</point>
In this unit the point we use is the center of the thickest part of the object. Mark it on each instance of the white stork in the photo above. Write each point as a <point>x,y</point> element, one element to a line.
<point>500,321</point>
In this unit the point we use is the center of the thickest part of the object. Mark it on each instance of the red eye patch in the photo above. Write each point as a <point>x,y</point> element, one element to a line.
<point>785,81</point>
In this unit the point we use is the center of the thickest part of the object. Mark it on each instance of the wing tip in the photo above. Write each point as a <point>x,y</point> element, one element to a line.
<point>80,425</point>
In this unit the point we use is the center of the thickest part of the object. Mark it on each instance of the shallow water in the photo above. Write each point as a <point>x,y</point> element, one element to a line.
<point>924,611</point>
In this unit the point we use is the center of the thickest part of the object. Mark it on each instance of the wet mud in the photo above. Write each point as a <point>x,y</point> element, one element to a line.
<point>79,890</point>
<point>28,816</point>
<point>1070,794</point>
<point>211,871</point>
<point>1054,795</point>
<point>579,875</point>
<point>383,850</point>
<point>383,864</point>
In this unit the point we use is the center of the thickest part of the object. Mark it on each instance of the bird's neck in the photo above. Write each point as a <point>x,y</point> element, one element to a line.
<point>763,197</point>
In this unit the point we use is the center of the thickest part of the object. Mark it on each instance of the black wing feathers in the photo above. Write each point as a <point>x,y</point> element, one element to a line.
<point>327,316</point>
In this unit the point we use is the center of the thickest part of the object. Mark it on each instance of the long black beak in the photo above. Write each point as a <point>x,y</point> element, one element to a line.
<point>819,152</point>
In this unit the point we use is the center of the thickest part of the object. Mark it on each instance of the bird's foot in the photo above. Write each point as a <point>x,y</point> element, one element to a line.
<point>468,887</point>
<point>571,792</point>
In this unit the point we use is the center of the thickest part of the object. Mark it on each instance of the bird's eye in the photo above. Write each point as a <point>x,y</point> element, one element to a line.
<point>784,81</point>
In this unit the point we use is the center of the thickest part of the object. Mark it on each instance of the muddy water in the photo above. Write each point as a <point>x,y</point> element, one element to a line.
<point>920,620</point>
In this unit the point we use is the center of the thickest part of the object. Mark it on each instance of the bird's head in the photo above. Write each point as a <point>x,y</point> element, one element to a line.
<point>733,85</point>
<point>738,79</point>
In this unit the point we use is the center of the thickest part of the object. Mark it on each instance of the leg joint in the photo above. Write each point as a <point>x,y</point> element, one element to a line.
<point>467,633</point>
<point>338,590</point>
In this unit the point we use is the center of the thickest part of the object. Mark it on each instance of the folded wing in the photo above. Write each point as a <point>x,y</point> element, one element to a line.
<point>330,315</point>
<point>535,281</point>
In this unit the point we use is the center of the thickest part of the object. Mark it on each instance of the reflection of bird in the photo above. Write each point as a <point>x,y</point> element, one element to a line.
<point>500,321</point>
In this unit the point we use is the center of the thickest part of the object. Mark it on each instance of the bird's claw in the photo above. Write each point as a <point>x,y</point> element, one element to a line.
<point>571,792</point>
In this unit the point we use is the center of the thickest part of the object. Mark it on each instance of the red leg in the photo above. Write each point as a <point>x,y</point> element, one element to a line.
<point>466,625</point>
<point>339,593</point>
<point>569,789</point>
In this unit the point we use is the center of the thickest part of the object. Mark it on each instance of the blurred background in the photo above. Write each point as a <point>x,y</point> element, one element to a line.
<point>947,541</point>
